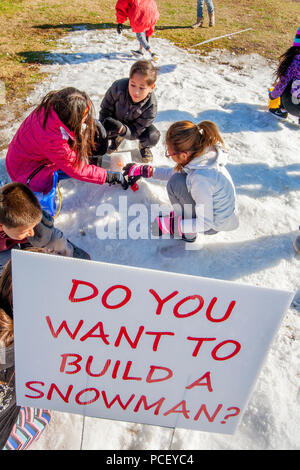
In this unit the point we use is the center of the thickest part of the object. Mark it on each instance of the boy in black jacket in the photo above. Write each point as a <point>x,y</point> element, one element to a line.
<point>129,108</point>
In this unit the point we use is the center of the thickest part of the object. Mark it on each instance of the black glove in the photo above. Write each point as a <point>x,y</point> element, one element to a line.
<point>113,127</point>
<point>119,28</point>
<point>100,139</point>
<point>100,129</point>
<point>115,177</point>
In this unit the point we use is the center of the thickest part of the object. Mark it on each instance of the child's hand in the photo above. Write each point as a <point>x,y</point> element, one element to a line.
<point>100,139</point>
<point>115,177</point>
<point>137,171</point>
<point>113,127</point>
<point>270,93</point>
<point>100,131</point>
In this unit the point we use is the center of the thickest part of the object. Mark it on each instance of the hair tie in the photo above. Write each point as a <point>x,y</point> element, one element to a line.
<point>201,131</point>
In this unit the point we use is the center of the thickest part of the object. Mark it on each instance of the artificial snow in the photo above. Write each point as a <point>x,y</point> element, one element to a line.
<point>264,163</point>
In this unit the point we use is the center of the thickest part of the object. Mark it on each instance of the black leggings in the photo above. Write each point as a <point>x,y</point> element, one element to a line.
<point>287,103</point>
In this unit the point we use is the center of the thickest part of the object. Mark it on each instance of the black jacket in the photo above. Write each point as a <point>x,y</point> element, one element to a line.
<point>118,104</point>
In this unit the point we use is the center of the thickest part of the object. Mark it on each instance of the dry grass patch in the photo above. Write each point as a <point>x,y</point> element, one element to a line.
<point>30,28</point>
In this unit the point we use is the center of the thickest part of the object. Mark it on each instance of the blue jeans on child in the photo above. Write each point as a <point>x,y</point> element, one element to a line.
<point>200,3</point>
<point>142,38</point>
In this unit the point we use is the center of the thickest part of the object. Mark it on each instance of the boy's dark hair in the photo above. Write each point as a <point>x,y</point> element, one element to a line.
<point>146,69</point>
<point>18,206</point>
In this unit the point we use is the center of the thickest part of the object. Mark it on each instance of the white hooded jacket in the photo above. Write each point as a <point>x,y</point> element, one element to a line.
<point>212,189</point>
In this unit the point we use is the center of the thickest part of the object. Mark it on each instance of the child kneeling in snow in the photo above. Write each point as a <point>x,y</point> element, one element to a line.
<point>287,89</point>
<point>59,136</point>
<point>200,188</point>
<point>129,108</point>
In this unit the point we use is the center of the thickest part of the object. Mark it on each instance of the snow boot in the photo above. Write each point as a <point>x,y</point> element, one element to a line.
<point>211,17</point>
<point>199,23</point>
<point>146,154</point>
<point>154,56</point>
<point>79,252</point>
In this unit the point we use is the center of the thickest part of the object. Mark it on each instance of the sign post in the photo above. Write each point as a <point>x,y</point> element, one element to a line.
<point>138,345</point>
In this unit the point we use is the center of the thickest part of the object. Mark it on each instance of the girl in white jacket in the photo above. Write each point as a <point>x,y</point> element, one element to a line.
<point>200,188</point>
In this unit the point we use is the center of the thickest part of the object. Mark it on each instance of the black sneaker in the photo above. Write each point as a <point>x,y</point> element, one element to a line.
<point>154,56</point>
<point>137,53</point>
<point>280,113</point>
<point>146,154</point>
<point>191,238</point>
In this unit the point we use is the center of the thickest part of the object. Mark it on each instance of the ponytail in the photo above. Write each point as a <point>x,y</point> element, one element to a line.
<point>185,136</point>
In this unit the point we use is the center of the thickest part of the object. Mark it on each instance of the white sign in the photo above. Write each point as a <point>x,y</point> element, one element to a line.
<point>138,345</point>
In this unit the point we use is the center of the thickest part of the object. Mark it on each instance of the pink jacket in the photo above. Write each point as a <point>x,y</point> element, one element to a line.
<point>142,14</point>
<point>33,146</point>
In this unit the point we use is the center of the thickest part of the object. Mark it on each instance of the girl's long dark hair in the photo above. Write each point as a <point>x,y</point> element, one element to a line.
<point>71,106</point>
<point>285,61</point>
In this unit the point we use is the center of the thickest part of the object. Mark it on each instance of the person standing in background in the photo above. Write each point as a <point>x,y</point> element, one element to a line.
<point>211,13</point>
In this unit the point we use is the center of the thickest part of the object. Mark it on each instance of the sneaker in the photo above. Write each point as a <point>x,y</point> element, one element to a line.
<point>199,23</point>
<point>297,245</point>
<point>114,144</point>
<point>146,154</point>
<point>137,53</point>
<point>280,113</point>
<point>189,238</point>
<point>79,253</point>
<point>154,56</point>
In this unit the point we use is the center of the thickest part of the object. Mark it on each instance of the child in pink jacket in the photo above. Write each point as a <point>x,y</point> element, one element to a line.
<point>143,16</point>
<point>59,136</point>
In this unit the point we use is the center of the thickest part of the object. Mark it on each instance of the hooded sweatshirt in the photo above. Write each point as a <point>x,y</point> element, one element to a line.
<point>212,189</point>
<point>142,14</point>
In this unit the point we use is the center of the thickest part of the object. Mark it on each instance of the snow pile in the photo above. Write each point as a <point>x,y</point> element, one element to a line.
<point>264,164</point>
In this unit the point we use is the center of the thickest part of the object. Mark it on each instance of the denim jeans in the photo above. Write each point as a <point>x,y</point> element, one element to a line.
<point>200,3</point>
<point>142,38</point>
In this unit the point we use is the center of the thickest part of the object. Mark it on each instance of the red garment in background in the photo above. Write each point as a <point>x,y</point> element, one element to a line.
<point>142,14</point>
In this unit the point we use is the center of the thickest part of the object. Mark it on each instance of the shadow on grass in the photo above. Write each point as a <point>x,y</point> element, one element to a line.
<point>51,58</point>
<point>45,57</point>
<point>35,57</point>
<point>91,26</point>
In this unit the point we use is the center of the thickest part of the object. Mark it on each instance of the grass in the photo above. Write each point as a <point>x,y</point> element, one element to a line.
<point>30,28</point>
